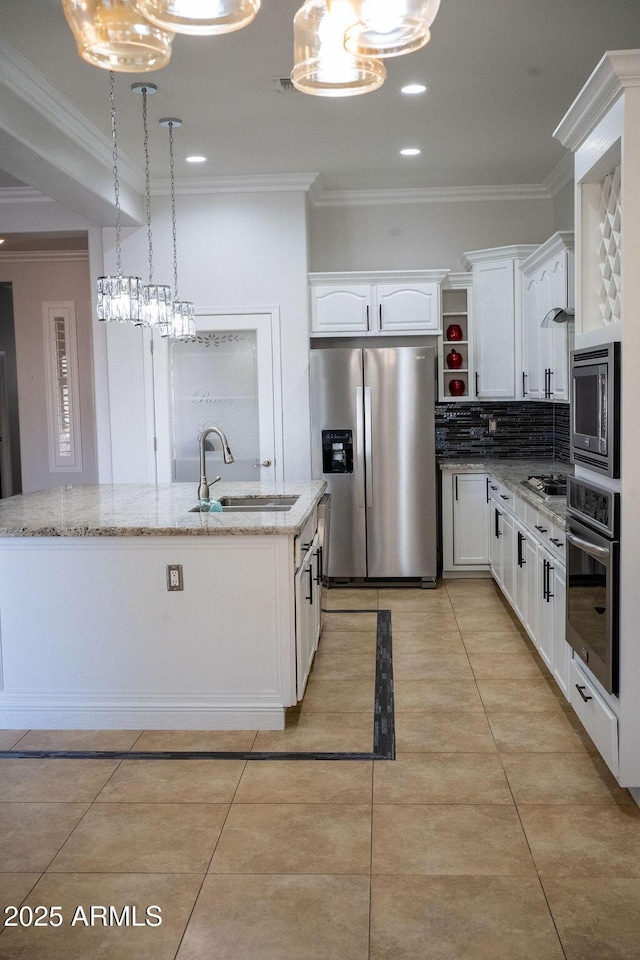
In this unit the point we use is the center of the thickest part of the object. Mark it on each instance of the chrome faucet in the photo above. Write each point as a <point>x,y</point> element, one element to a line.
<point>203,488</point>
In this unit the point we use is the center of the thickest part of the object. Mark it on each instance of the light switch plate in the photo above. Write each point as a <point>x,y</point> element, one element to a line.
<point>174,576</point>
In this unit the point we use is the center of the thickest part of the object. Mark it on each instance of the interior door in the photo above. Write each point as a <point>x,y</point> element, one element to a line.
<point>226,378</point>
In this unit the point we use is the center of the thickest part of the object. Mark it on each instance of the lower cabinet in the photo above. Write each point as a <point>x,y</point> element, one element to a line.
<point>307,598</point>
<point>465,523</point>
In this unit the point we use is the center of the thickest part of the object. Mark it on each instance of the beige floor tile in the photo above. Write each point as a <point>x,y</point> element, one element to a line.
<point>461,918</point>
<point>471,586</point>
<point>344,666</point>
<point>79,740</point>
<point>305,781</point>
<point>348,622</point>
<point>174,781</point>
<point>453,839</point>
<point>507,666</point>
<point>9,738</point>
<point>53,780</point>
<point>452,695</point>
<point>598,918</point>
<point>196,740</point>
<point>174,895</point>
<point>440,732</point>
<point>431,666</point>
<point>441,778</point>
<point>537,733</point>
<point>495,643</point>
<point>562,778</point>
<point>338,696</point>
<point>346,598</point>
<point>14,887</point>
<point>295,838</point>
<point>494,617</point>
<point>279,918</point>
<point>428,624</point>
<point>535,695</point>
<point>579,842</point>
<point>428,602</point>
<point>352,642</point>
<point>324,733</point>
<point>447,642</point>
<point>32,833</point>
<point>143,838</point>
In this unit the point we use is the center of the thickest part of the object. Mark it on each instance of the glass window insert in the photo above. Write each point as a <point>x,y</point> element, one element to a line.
<point>63,402</point>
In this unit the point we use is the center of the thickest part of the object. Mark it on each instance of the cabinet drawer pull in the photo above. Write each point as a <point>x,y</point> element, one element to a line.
<point>368,327</point>
<point>492,486</point>
<point>559,544</point>
<point>504,496</point>
<point>541,529</point>
<point>488,485</point>
<point>581,688</point>
<point>524,384</point>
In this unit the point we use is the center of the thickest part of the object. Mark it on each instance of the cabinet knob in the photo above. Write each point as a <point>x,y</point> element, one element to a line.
<point>264,463</point>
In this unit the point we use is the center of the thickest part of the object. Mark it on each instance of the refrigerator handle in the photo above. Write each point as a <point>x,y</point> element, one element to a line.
<point>359,452</point>
<point>368,445</point>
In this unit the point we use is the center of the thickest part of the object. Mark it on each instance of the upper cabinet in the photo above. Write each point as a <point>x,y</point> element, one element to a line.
<point>497,310</point>
<point>375,303</point>
<point>547,284</point>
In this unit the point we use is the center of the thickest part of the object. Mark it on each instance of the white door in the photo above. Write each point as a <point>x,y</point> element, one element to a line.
<point>494,329</point>
<point>228,377</point>
<point>470,527</point>
<point>408,308</point>
<point>341,310</point>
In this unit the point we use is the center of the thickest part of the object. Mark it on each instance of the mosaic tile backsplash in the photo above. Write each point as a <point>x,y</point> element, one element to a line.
<point>524,429</point>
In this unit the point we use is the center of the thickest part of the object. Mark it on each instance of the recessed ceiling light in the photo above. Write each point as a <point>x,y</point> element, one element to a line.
<point>412,88</point>
<point>410,152</point>
<point>196,159</point>
<point>1,239</point>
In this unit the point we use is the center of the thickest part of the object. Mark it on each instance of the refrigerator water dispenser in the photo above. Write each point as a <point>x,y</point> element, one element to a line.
<point>337,451</point>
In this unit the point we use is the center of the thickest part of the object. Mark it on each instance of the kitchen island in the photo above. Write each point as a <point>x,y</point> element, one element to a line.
<point>91,636</point>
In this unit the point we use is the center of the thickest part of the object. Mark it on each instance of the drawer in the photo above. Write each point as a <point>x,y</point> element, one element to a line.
<point>595,716</point>
<point>557,541</point>
<point>501,494</point>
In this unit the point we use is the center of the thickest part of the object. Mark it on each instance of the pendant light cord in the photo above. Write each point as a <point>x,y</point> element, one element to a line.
<point>173,213</point>
<point>116,183</point>
<point>147,181</point>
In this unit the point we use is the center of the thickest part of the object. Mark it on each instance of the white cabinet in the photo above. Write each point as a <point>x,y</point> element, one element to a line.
<point>457,338</point>
<point>307,598</point>
<point>465,523</point>
<point>502,549</point>
<point>497,309</point>
<point>548,282</point>
<point>374,304</point>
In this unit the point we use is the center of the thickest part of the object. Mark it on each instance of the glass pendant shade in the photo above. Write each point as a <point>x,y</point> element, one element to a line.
<point>114,35</point>
<point>380,28</point>
<point>120,298</point>
<point>322,66</point>
<point>199,17</point>
<point>157,311</point>
<point>183,326</point>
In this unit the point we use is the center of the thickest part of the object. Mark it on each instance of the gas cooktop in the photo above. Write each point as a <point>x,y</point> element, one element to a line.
<point>547,485</point>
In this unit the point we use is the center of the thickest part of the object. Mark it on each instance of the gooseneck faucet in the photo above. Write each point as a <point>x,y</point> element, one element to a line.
<point>203,488</point>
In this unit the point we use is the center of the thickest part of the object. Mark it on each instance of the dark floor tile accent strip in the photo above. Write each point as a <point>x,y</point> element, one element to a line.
<point>384,747</point>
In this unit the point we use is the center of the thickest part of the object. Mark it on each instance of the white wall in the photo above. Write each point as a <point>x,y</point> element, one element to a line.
<point>564,208</point>
<point>34,283</point>
<point>241,249</point>
<point>408,236</point>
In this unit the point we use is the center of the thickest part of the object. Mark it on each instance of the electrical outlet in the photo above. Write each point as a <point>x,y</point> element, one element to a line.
<point>174,577</point>
<point>492,426</point>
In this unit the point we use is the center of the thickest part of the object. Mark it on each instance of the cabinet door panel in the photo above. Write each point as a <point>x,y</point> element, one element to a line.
<point>545,608</point>
<point>495,543</point>
<point>470,527</point>
<point>561,649</point>
<point>508,556</point>
<point>408,308</point>
<point>495,333</point>
<point>340,309</point>
<point>532,387</point>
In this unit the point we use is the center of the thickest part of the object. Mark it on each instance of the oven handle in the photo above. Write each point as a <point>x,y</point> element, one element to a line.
<point>598,553</point>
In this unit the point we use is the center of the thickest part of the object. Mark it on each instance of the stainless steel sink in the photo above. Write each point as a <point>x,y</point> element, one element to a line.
<point>249,505</point>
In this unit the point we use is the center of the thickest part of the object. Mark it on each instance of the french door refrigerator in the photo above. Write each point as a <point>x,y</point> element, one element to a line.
<point>373,441</point>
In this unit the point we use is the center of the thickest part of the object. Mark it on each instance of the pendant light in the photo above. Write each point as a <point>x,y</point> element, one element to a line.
<point>114,35</point>
<point>182,324</point>
<point>322,66</point>
<point>157,305</point>
<point>199,17</point>
<point>119,298</point>
<point>384,29</point>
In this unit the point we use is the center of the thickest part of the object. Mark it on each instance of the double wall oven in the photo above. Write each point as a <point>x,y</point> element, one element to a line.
<point>593,526</point>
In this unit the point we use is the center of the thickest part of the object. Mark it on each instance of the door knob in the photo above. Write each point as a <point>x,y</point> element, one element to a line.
<point>266,463</point>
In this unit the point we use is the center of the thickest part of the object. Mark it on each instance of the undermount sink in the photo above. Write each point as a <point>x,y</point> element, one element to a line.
<point>249,505</point>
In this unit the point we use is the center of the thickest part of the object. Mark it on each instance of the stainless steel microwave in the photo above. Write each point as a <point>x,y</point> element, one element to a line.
<point>595,408</point>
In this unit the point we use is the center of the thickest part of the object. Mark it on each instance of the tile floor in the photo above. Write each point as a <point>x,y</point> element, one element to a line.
<point>496,833</point>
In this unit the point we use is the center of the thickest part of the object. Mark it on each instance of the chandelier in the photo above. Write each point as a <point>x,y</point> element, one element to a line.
<point>338,44</point>
<point>181,324</point>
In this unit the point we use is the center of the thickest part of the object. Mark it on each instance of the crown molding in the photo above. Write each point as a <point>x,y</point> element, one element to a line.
<point>259,183</point>
<point>44,256</point>
<point>560,177</point>
<point>378,276</point>
<point>616,70</point>
<point>351,198</point>
<point>23,195</point>
<point>516,251</point>
<point>21,77</point>
<point>562,240</point>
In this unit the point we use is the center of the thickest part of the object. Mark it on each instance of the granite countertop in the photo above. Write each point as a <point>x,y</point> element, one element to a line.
<point>132,510</point>
<point>510,472</point>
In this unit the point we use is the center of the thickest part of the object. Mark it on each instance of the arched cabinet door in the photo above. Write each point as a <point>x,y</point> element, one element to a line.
<point>341,310</point>
<point>405,308</point>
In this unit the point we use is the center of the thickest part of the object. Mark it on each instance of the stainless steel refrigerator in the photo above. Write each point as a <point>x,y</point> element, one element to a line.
<point>373,441</point>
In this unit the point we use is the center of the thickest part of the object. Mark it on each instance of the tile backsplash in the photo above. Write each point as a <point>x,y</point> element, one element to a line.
<point>523,429</point>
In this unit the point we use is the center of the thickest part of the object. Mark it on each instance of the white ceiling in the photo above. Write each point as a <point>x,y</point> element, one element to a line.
<point>500,73</point>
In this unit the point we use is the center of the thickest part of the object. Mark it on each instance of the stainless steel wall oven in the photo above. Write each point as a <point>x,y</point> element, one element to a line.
<point>595,408</point>
<point>593,524</point>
